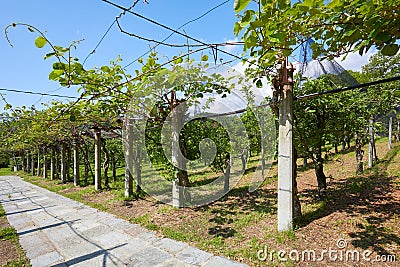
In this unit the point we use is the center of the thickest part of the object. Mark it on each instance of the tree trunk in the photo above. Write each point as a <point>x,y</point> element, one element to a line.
<point>113,167</point>
<point>227,172</point>
<point>63,163</point>
<point>359,157</point>
<point>138,171</point>
<point>375,153</point>
<point>68,163</point>
<point>398,130</point>
<point>371,144</point>
<point>23,160</point>
<point>244,156</point>
<point>390,132</point>
<point>97,160</point>
<point>106,163</point>
<point>296,199</point>
<point>321,178</point>
<point>336,148</point>
<point>262,155</point>
<point>52,164</point>
<point>343,145</point>
<point>183,161</point>
<point>77,177</point>
<point>86,165</point>
<point>58,165</point>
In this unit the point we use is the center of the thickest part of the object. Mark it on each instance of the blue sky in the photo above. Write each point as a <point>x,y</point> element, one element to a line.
<point>23,67</point>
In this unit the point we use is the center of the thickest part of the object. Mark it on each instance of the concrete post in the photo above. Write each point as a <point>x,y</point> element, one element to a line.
<point>176,125</point>
<point>44,164</point>
<point>128,157</point>
<point>33,163</point>
<point>97,159</point>
<point>286,160</point>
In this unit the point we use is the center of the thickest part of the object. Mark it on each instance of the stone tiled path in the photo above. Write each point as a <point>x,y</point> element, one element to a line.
<point>57,231</point>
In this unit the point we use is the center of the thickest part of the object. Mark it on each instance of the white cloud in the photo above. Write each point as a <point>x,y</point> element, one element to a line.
<point>231,48</point>
<point>354,61</point>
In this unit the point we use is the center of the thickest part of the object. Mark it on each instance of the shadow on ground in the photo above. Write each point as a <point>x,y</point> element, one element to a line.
<point>375,197</point>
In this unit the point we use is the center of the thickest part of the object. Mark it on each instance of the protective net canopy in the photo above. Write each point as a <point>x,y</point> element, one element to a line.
<point>310,68</point>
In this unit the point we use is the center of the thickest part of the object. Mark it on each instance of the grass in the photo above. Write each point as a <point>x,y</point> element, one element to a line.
<point>9,234</point>
<point>6,172</point>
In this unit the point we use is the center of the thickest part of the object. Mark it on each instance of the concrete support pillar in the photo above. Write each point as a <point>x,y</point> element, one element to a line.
<point>44,164</point>
<point>33,163</point>
<point>177,185</point>
<point>128,139</point>
<point>38,163</point>
<point>286,161</point>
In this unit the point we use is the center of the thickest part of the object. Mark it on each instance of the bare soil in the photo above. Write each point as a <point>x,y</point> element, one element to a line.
<point>11,254</point>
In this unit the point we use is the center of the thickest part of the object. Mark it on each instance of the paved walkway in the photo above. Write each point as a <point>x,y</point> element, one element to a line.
<point>57,231</point>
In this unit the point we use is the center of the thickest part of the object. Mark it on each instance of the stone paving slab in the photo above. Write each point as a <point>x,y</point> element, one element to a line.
<point>57,231</point>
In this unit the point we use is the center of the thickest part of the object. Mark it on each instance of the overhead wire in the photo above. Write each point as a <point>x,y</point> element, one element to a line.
<point>36,93</point>
<point>179,33</point>
<point>99,42</point>
<point>348,88</point>
<point>107,31</point>
<point>180,27</point>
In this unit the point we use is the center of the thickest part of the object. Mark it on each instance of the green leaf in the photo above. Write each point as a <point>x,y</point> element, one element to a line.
<point>58,66</point>
<point>390,50</point>
<point>259,84</point>
<point>105,69</point>
<point>384,36</point>
<point>204,58</point>
<point>72,118</point>
<point>239,5</point>
<point>55,74</point>
<point>237,28</point>
<point>178,60</point>
<point>48,55</point>
<point>40,42</point>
